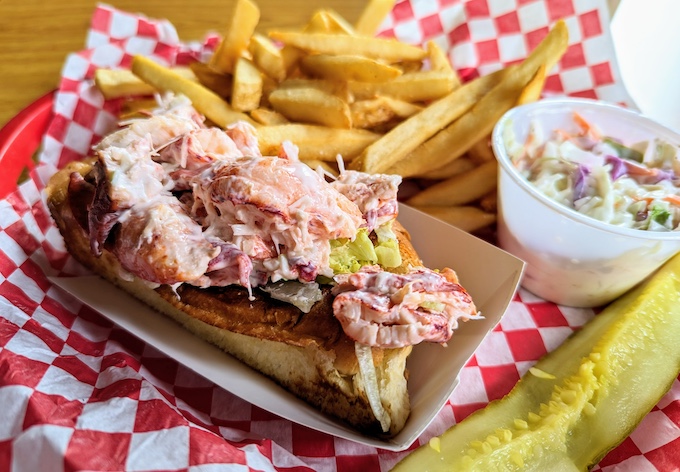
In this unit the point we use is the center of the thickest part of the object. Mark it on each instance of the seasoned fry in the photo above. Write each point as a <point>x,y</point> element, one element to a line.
<point>117,83</point>
<point>417,86</point>
<point>460,189</point>
<point>347,67</point>
<point>389,50</point>
<point>459,136</point>
<point>410,134</point>
<point>267,57</point>
<point>247,90</point>
<point>206,101</point>
<point>315,142</point>
<point>243,20</point>
<point>219,83</point>
<point>311,106</point>
<point>372,16</point>
<point>268,117</point>
<point>467,218</point>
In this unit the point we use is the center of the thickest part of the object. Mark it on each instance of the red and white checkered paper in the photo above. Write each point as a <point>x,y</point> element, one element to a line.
<point>76,392</point>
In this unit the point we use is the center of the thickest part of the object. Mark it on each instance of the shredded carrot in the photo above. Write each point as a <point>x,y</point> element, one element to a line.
<point>673,199</point>
<point>585,126</point>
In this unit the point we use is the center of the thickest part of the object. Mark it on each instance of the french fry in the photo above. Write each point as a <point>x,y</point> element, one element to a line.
<point>327,167</point>
<point>336,23</point>
<point>389,50</point>
<point>372,16</point>
<point>315,142</point>
<point>489,202</point>
<point>311,106</point>
<point>459,136</point>
<point>533,89</point>
<point>439,61</point>
<point>411,87</point>
<point>467,218</point>
<point>136,107</point>
<point>337,88</point>
<point>247,90</point>
<point>408,135</point>
<point>268,117</point>
<point>219,83</point>
<point>458,166</point>
<point>347,67</point>
<point>206,101</point>
<point>481,152</point>
<point>117,83</point>
<point>460,189</point>
<point>243,20</point>
<point>380,110</point>
<point>318,23</point>
<point>267,57</point>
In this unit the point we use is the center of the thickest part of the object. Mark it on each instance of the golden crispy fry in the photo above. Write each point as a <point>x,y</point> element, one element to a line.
<point>267,57</point>
<point>219,83</point>
<point>380,110</point>
<point>347,67</point>
<point>243,20</point>
<point>268,117</point>
<point>247,89</point>
<point>412,87</point>
<point>459,136</point>
<point>205,101</point>
<point>337,88</point>
<point>412,133</point>
<point>481,151</point>
<point>533,89</point>
<point>460,189</point>
<point>389,50</point>
<point>372,16</point>
<point>328,167</point>
<point>458,166</point>
<point>336,23</point>
<point>489,202</point>
<point>116,83</point>
<point>439,61</point>
<point>311,105</point>
<point>137,107</point>
<point>318,23</point>
<point>315,142</point>
<point>466,218</point>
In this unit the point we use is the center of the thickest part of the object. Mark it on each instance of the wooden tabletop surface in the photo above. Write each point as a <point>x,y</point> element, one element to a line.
<point>36,35</point>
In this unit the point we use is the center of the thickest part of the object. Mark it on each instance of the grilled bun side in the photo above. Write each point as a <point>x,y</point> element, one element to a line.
<point>308,354</point>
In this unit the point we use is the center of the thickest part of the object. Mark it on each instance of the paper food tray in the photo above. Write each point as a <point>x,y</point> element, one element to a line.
<point>489,274</point>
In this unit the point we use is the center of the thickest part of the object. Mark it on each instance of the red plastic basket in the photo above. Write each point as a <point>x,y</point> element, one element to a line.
<point>19,140</point>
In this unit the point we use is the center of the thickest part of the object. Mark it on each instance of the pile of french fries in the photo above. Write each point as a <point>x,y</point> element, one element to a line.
<point>337,91</point>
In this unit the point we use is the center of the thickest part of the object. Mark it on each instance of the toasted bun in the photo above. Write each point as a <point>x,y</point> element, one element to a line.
<point>308,354</point>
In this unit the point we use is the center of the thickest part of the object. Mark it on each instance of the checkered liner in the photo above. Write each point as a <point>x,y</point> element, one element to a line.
<point>79,393</point>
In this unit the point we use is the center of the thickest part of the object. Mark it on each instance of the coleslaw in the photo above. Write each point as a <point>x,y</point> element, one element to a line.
<point>633,185</point>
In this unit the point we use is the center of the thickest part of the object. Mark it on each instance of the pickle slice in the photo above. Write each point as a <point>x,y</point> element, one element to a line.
<point>579,401</point>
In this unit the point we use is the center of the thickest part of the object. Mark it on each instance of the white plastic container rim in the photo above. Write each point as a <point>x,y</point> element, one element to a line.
<point>569,105</point>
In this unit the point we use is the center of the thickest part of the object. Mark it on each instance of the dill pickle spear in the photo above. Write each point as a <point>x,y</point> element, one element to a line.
<point>579,401</point>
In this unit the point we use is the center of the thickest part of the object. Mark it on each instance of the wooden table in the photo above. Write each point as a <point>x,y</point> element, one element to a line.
<point>36,35</point>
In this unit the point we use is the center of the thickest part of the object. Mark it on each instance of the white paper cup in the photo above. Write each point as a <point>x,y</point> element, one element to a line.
<point>573,259</point>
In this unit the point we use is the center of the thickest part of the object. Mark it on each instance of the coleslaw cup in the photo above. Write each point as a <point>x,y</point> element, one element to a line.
<point>573,259</point>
